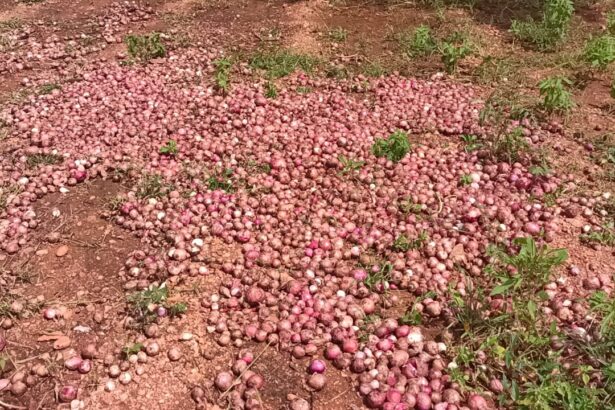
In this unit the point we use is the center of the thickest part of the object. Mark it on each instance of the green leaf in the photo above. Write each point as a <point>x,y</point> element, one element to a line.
<point>503,288</point>
<point>531,307</point>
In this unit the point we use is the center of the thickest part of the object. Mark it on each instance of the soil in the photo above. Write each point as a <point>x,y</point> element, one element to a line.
<point>85,284</point>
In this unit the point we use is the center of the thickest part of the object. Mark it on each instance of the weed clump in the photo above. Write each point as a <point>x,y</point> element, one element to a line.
<point>546,34</point>
<point>145,47</point>
<point>393,148</point>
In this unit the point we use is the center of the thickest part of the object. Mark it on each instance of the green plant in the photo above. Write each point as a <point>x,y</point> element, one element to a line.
<point>419,43</point>
<point>271,90</point>
<point>6,193</point>
<point>555,96</point>
<point>373,69</point>
<point>145,47</point>
<point>280,63</point>
<point>465,179</point>
<point>152,186</point>
<point>304,90</point>
<point>599,51</point>
<point>548,33</point>
<point>393,148</point>
<point>413,316</point>
<point>610,22</point>
<point>472,143</point>
<point>177,309</point>
<point>510,146</point>
<point>349,165</point>
<point>170,148</point>
<point>378,280</point>
<point>131,349</point>
<point>48,88</point>
<point>222,69</point>
<point>451,54</point>
<point>532,265</point>
<point>37,160</point>
<point>337,34</point>
<point>407,206</point>
<point>604,236</point>
<point>494,70</point>
<point>142,303</point>
<point>221,180</point>
<point>403,244</point>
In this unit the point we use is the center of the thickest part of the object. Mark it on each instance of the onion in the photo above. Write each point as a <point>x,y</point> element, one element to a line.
<point>67,393</point>
<point>317,381</point>
<point>224,381</point>
<point>317,366</point>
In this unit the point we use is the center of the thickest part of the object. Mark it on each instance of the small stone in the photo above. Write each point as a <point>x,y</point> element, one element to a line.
<point>62,251</point>
<point>42,252</point>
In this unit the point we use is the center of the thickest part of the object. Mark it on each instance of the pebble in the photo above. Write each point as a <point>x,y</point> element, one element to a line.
<point>62,251</point>
<point>42,252</point>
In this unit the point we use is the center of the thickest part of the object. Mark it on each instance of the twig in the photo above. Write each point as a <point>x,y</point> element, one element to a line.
<point>11,406</point>
<point>337,397</point>
<point>246,369</point>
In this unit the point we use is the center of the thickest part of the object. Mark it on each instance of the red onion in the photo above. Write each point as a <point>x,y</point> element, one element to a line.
<point>317,366</point>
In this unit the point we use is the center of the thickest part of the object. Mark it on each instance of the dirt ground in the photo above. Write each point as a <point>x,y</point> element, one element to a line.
<point>74,263</point>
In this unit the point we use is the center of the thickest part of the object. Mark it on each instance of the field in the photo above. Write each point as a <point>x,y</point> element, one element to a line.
<point>307,204</point>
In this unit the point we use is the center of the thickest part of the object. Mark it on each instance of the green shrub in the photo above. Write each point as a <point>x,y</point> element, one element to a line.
<point>610,22</point>
<point>145,47</point>
<point>280,63</point>
<point>420,43</point>
<point>548,33</point>
<point>600,51</point>
<point>451,54</point>
<point>555,96</point>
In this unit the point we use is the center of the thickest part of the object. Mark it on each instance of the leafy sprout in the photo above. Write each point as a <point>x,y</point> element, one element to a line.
<point>170,148</point>
<point>393,148</point>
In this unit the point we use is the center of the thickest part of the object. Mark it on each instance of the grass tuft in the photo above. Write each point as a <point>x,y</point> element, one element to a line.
<point>280,63</point>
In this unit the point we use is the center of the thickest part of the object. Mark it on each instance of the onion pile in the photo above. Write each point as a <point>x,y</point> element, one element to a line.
<point>314,242</point>
<point>29,46</point>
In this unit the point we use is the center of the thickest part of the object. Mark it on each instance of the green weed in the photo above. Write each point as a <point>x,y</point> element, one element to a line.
<point>510,146</point>
<point>170,148</point>
<point>131,349</point>
<point>271,90</point>
<point>145,47</point>
<point>143,303</point>
<point>413,316</point>
<point>471,142</point>
<point>177,309</point>
<point>337,34</point>
<point>48,88</point>
<point>221,180</point>
<point>545,35</point>
<point>377,280</point>
<point>280,63</point>
<point>452,53</point>
<point>349,165</point>
<point>38,160</point>
<point>304,90</point>
<point>604,236</point>
<point>418,43</point>
<point>373,69</point>
<point>403,244</point>
<point>599,51</point>
<point>610,22</point>
<point>554,94</point>
<point>494,70</point>
<point>407,206</point>
<point>532,265</point>
<point>153,186</point>
<point>222,74</point>
<point>465,180</point>
<point>393,148</point>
